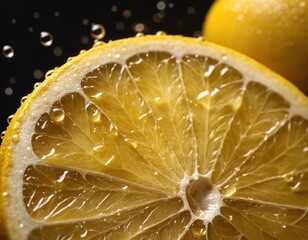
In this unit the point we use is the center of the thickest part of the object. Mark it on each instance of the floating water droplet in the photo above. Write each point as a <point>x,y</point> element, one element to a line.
<point>127,13</point>
<point>8,51</point>
<point>23,99</point>
<point>46,39</point>
<point>139,27</point>
<point>37,74</point>
<point>15,138</point>
<point>97,31</point>
<point>9,119</point>
<point>57,114</point>
<point>228,190</point>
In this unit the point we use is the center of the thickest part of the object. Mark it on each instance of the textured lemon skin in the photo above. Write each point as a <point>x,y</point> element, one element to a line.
<point>274,33</point>
<point>245,63</point>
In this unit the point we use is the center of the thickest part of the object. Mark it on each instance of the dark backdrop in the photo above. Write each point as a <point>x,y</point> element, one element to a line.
<point>69,22</point>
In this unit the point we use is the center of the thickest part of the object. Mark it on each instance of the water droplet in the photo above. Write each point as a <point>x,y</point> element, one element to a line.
<point>57,51</point>
<point>94,114</point>
<point>57,114</point>
<point>97,31</point>
<point>139,27</point>
<point>139,34</point>
<point>37,74</point>
<point>127,13</point>
<point>8,91</point>
<point>15,138</point>
<point>228,190</point>
<point>46,39</point>
<point>5,194</point>
<point>23,99</point>
<point>161,33</point>
<point>36,85</point>
<point>49,73</point>
<point>9,119</point>
<point>2,134</point>
<point>200,38</point>
<point>8,51</point>
<point>113,130</point>
<point>283,226</point>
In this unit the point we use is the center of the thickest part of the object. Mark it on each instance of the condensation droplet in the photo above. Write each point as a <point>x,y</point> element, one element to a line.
<point>160,33</point>
<point>97,31</point>
<point>9,119</point>
<point>228,190</point>
<point>23,99</point>
<point>139,34</point>
<point>2,134</point>
<point>15,138</point>
<point>8,51</point>
<point>49,73</point>
<point>57,114</point>
<point>36,85</point>
<point>46,39</point>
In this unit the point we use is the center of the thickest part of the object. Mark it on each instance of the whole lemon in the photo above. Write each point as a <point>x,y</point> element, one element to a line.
<point>274,32</point>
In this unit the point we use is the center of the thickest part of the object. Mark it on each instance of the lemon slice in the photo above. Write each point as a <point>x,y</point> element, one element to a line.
<point>158,137</point>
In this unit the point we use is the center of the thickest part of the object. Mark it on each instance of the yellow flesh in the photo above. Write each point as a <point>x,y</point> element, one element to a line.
<point>114,158</point>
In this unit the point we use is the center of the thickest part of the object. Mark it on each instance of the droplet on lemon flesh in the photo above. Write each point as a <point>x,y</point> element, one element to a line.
<point>168,147</point>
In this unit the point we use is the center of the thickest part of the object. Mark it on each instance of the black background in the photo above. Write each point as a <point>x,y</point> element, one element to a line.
<point>69,22</point>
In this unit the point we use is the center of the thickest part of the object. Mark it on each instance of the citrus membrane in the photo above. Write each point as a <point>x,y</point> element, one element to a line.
<point>158,137</point>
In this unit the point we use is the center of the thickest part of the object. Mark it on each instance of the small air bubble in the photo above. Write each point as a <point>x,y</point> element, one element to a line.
<point>8,91</point>
<point>8,51</point>
<point>46,39</point>
<point>97,31</point>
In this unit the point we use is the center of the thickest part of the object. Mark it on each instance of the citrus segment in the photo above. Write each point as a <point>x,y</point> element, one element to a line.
<point>166,138</point>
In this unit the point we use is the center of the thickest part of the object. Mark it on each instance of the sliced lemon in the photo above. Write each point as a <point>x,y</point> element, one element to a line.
<point>158,137</point>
